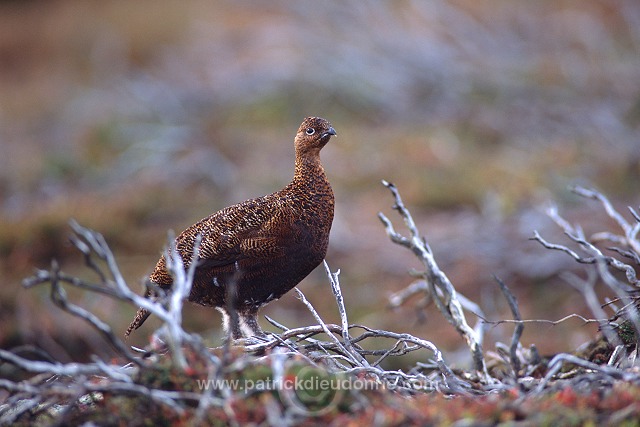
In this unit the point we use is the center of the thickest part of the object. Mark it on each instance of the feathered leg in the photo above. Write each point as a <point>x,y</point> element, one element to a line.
<point>230,324</point>
<point>249,324</point>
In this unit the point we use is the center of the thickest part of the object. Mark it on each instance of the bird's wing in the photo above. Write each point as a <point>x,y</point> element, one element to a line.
<point>252,229</point>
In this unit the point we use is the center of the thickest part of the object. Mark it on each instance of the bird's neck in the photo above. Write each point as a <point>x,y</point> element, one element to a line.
<point>308,171</point>
<point>312,191</point>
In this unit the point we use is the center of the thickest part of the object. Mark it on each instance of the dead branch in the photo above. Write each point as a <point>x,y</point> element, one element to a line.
<point>112,284</point>
<point>630,231</point>
<point>337,293</point>
<point>182,281</point>
<point>602,264</point>
<point>543,321</point>
<point>348,350</point>
<point>62,369</point>
<point>594,255</point>
<point>343,348</point>
<point>342,351</point>
<point>440,288</point>
<point>517,331</point>
<point>560,359</point>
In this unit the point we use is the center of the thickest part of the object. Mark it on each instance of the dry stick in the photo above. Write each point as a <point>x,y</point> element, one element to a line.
<point>596,257</point>
<point>88,242</point>
<point>112,371</point>
<point>91,243</point>
<point>450,378</point>
<point>177,336</point>
<point>401,339</point>
<point>635,257</point>
<point>99,245</point>
<point>393,350</point>
<point>517,331</point>
<point>180,290</point>
<point>576,234</point>
<point>421,286</point>
<point>450,307</point>
<point>63,369</point>
<point>630,231</point>
<point>617,354</point>
<point>206,398</point>
<point>44,276</point>
<point>337,292</point>
<point>15,407</point>
<point>556,364</point>
<point>473,307</point>
<point>325,329</point>
<point>169,398</point>
<point>545,321</point>
<point>397,299</point>
<point>171,317</point>
<point>602,269</point>
<point>305,333</point>
<point>59,298</point>
<point>585,287</point>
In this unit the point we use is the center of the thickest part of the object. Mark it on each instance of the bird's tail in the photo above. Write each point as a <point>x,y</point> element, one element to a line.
<point>156,286</point>
<point>141,315</point>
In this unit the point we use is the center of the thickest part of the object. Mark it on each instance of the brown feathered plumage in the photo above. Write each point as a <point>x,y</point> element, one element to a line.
<point>262,247</point>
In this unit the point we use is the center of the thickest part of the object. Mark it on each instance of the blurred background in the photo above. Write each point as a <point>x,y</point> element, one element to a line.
<point>136,118</point>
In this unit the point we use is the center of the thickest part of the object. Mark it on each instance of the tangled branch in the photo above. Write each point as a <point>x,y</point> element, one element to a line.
<point>588,253</point>
<point>439,287</point>
<point>57,390</point>
<point>333,347</point>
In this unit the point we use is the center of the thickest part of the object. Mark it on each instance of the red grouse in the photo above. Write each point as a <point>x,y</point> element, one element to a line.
<point>261,248</point>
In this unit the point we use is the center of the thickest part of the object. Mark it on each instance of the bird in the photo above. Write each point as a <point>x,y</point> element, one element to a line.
<point>254,252</point>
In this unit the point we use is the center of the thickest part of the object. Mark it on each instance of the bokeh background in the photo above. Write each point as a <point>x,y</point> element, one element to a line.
<point>136,118</point>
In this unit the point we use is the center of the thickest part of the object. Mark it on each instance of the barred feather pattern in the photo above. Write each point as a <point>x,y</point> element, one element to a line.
<point>260,248</point>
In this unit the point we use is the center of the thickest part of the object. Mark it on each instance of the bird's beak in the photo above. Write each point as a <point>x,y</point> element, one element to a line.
<point>331,132</point>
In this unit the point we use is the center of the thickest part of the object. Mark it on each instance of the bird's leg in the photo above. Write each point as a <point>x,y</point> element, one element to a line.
<point>230,323</point>
<point>249,324</point>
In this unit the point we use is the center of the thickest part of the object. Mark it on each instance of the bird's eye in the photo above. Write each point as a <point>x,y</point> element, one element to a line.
<point>310,131</point>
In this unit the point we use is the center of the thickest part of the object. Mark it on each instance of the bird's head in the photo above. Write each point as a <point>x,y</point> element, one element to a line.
<point>313,134</point>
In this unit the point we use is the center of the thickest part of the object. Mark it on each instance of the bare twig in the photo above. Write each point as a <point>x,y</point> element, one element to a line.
<point>337,292</point>
<point>587,289</point>
<point>182,281</point>
<point>544,321</point>
<point>440,288</point>
<point>559,359</point>
<point>517,331</point>
<point>595,255</point>
<point>112,284</point>
<point>602,263</point>
<point>68,369</point>
<point>397,299</point>
<point>630,230</point>
<point>323,325</point>
<point>342,350</point>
